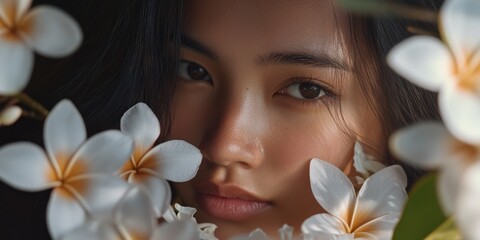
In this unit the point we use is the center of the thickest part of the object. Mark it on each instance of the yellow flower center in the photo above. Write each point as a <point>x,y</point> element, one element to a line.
<point>468,151</point>
<point>469,78</point>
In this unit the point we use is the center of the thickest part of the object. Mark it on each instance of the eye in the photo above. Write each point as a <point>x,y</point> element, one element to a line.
<point>193,71</point>
<point>305,90</point>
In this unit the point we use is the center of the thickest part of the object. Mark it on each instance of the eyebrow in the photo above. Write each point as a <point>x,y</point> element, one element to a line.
<point>198,46</point>
<point>296,58</point>
<point>304,58</point>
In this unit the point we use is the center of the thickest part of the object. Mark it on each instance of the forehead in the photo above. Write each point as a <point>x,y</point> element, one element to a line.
<point>266,25</point>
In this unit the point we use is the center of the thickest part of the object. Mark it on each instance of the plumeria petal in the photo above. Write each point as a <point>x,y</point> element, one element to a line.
<point>425,145</point>
<point>460,23</point>
<point>140,123</point>
<point>93,230</point>
<point>332,189</point>
<point>105,152</point>
<point>64,213</point>
<point>258,234</point>
<point>468,214</point>
<point>158,189</point>
<point>16,64</point>
<point>207,231</point>
<point>382,193</point>
<point>25,166</point>
<point>64,132</point>
<point>285,232</point>
<point>135,214</point>
<point>175,160</point>
<point>98,192</point>
<point>185,213</point>
<point>460,111</point>
<point>422,60</point>
<point>382,227</point>
<point>449,182</point>
<point>10,115</point>
<point>324,223</point>
<point>12,11</point>
<point>364,164</point>
<point>51,32</point>
<point>170,215</point>
<point>176,230</point>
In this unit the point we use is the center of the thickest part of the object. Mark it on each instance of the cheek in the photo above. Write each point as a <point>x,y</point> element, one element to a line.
<point>317,135</point>
<point>290,147</point>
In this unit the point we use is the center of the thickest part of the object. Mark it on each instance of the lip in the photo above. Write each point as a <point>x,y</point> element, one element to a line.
<point>229,202</point>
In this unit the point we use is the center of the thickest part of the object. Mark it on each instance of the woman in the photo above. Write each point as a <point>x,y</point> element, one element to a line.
<point>265,86</point>
<point>128,55</point>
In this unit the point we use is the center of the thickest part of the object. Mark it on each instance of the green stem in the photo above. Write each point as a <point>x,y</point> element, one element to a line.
<point>34,105</point>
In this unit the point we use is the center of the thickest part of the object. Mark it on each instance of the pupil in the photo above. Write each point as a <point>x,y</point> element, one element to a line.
<point>309,91</point>
<point>196,72</point>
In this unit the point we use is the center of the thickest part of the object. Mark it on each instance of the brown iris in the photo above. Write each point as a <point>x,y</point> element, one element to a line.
<point>196,72</point>
<point>309,90</point>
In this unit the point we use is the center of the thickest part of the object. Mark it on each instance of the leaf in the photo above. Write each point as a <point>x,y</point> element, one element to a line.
<point>447,231</point>
<point>422,213</point>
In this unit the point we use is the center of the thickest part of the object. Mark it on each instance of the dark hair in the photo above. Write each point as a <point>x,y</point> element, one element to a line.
<point>400,103</point>
<point>129,54</point>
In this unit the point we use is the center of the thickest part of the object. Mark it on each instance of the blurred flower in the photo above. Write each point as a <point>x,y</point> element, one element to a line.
<point>372,214</point>
<point>452,69</point>
<point>79,171</point>
<point>47,30</point>
<point>150,165</point>
<point>10,115</point>
<point>429,145</point>
<point>364,164</point>
<point>132,217</point>
<point>206,231</point>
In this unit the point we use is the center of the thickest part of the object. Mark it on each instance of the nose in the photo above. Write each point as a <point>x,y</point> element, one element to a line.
<point>234,137</point>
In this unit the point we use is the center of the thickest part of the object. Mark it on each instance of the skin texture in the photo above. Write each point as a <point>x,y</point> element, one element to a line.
<point>247,117</point>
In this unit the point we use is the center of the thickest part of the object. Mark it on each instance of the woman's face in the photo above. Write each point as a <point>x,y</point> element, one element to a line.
<point>265,87</point>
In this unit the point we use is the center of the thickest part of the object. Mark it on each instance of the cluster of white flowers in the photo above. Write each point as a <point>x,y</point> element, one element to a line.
<point>90,198</point>
<point>452,68</point>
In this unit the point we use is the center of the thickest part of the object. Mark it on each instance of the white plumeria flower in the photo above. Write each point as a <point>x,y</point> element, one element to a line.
<point>206,231</point>
<point>46,30</point>
<point>10,115</point>
<point>452,69</point>
<point>430,145</point>
<point>149,165</point>
<point>364,164</point>
<point>79,171</point>
<point>132,217</point>
<point>372,214</point>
